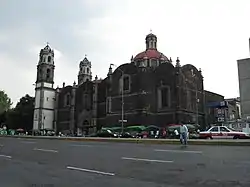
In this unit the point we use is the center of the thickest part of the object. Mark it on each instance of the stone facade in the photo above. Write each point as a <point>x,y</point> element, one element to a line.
<point>75,108</point>
<point>155,96</point>
<point>154,91</point>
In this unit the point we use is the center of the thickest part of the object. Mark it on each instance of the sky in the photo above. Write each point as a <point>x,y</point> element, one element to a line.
<point>210,34</point>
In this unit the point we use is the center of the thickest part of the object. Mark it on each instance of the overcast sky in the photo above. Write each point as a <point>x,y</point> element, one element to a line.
<point>210,34</point>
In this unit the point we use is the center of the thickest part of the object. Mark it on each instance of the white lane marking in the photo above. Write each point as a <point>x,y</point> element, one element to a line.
<point>5,156</point>
<point>46,150</point>
<point>79,145</point>
<point>28,142</point>
<point>178,151</point>
<point>90,171</point>
<point>147,160</point>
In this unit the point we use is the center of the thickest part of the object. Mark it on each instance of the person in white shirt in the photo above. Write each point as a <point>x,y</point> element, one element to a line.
<point>176,132</point>
<point>183,134</point>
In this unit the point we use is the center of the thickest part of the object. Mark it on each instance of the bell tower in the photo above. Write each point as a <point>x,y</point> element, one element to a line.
<point>85,73</point>
<point>151,41</point>
<point>44,91</point>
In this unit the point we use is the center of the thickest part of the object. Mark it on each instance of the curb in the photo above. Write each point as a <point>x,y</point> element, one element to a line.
<point>141,141</point>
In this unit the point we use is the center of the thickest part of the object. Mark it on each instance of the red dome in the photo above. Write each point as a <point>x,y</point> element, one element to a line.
<point>151,53</point>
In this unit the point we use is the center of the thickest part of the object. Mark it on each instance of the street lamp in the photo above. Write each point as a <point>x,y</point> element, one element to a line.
<point>122,93</point>
<point>196,97</point>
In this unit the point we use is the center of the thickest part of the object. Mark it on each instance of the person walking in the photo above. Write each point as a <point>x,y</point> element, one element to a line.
<point>183,134</point>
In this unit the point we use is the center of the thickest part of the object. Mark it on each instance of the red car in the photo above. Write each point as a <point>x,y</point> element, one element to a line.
<point>223,132</point>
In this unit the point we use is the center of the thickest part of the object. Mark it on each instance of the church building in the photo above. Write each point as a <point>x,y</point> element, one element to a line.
<point>149,90</point>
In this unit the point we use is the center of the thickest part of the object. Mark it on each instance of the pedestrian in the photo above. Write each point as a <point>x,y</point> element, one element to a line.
<point>183,134</point>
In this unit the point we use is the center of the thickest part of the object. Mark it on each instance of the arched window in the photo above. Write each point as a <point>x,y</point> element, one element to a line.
<point>126,83</point>
<point>88,70</point>
<point>67,100</point>
<point>108,105</point>
<point>49,58</point>
<point>165,97</point>
<point>48,73</point>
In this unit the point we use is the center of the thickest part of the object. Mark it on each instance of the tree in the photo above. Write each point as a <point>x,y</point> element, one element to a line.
<point>5,102</point>
<point>3,118</point>
<point>22,115</point>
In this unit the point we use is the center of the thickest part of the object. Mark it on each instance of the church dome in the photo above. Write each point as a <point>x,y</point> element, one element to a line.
<point>150,54</point>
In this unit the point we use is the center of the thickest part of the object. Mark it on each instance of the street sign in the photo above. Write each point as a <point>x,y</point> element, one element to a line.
<point>221,119</point>
<point>123,120</point>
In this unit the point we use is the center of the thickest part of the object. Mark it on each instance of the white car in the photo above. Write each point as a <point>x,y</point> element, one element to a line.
<point>223,132</point>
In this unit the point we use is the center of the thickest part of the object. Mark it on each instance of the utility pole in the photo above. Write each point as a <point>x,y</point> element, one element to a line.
<point>197,104</point>
<point>122,95</point>
<point>196,97</point>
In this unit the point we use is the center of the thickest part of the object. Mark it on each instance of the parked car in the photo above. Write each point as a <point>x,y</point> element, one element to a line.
<point>127,135</point>
<point>223,132</point>
<point>150,131</point>
<point>104,134</point>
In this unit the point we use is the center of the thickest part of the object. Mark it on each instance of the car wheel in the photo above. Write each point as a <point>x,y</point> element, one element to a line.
<point>209,137</point>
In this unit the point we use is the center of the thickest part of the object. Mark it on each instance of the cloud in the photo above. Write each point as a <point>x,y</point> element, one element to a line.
<point>211,35</point>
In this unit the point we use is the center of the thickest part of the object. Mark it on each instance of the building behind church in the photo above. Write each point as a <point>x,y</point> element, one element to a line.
<point>244,86</point>
<point>154,89</point>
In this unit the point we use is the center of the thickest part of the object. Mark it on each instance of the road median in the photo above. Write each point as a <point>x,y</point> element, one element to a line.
<point>141,141</point>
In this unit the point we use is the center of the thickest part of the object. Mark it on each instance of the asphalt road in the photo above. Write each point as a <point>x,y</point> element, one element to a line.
<point>55,163</point>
